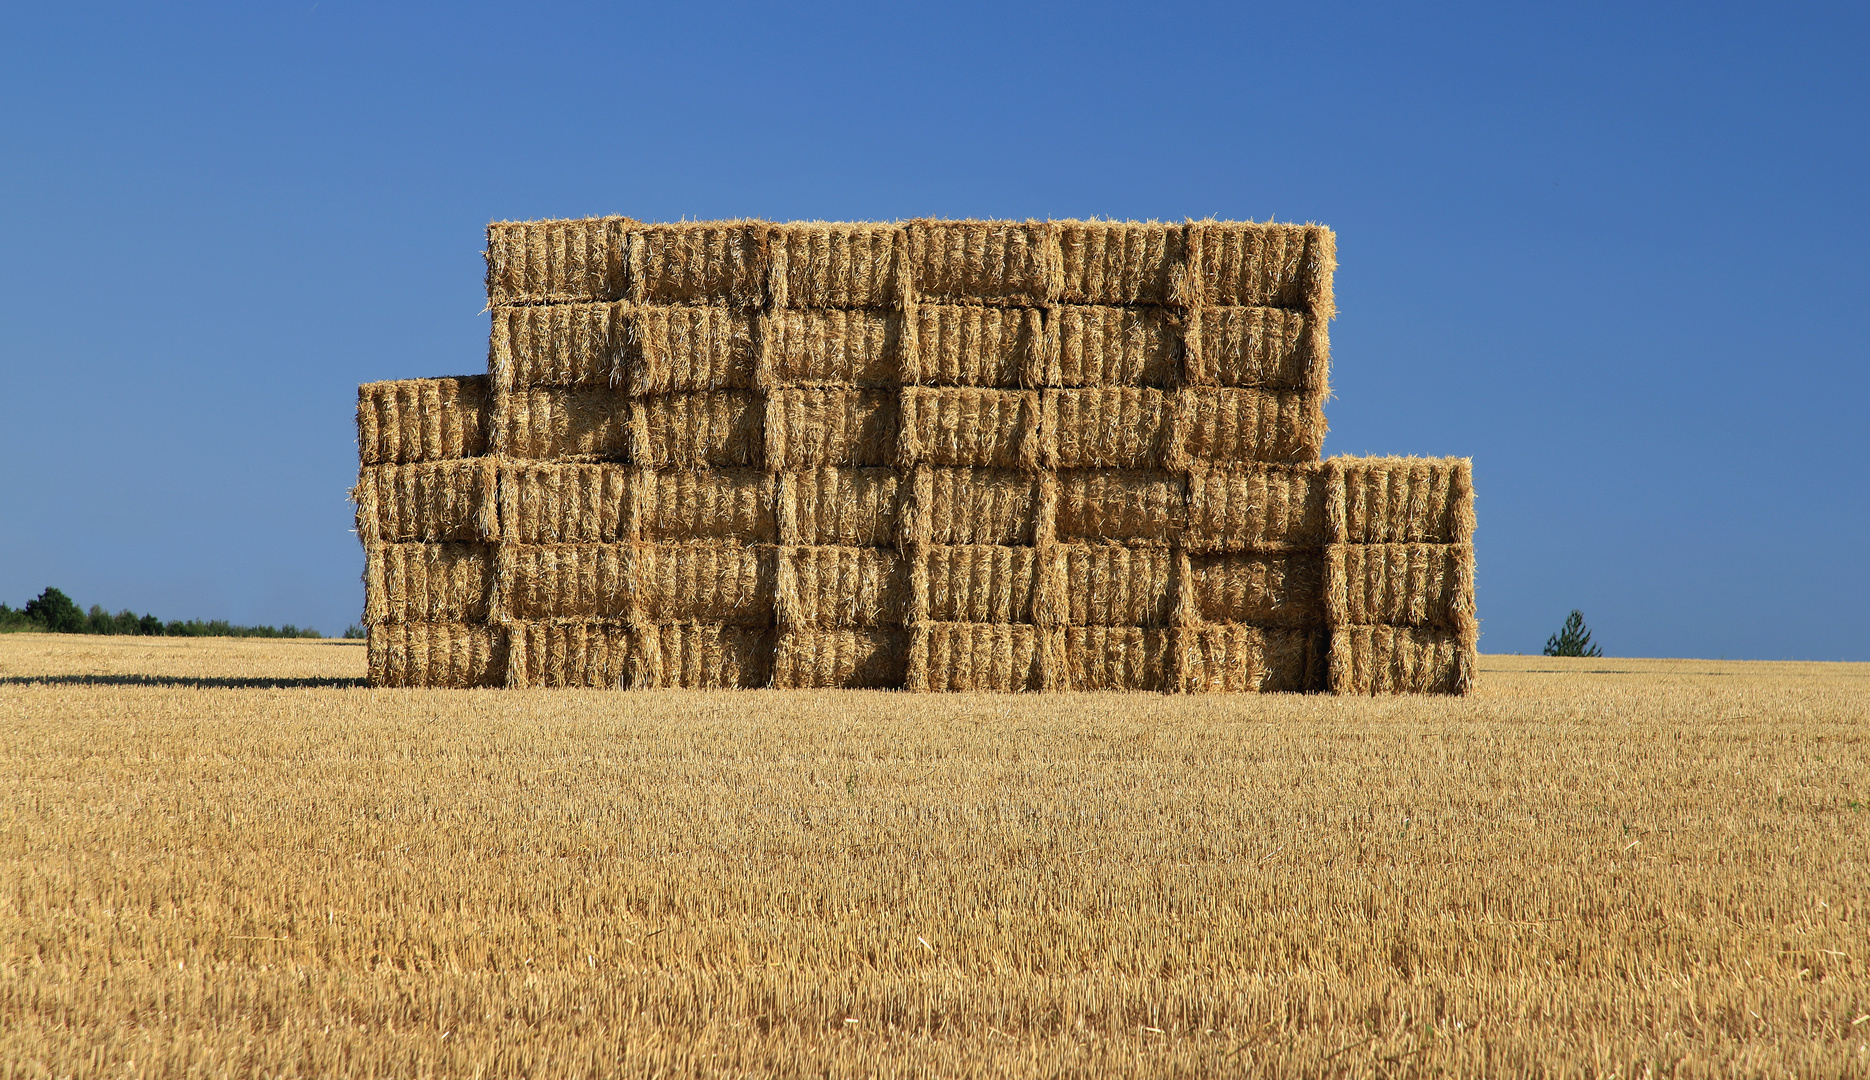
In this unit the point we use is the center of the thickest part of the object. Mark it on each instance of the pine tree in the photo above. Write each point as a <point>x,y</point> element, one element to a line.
<point>1573,640</point>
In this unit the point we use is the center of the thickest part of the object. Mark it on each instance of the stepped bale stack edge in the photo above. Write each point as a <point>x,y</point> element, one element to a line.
<point>941,455</point>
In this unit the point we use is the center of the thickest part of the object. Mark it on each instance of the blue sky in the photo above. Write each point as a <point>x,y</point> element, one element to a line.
<point>1615,253</point>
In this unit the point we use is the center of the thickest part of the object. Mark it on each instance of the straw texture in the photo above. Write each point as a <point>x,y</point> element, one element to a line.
<point>416,420</point>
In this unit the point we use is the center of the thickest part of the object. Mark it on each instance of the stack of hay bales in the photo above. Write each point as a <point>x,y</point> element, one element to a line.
<point>939,455</point>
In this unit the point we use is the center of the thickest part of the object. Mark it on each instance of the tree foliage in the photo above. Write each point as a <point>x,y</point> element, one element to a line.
<point>52,612</point>
<point>1572,639</point>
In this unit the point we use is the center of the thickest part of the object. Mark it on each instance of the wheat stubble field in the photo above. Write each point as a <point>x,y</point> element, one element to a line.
<point>228,858</point>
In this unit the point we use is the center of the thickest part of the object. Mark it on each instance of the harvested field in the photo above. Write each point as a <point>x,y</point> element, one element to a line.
<point>228,858</point>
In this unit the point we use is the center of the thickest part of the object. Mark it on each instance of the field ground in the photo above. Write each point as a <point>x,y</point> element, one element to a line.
<point>228,858</point>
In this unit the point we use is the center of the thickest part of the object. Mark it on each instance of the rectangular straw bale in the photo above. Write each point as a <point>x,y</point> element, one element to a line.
<point>677,348</point>
<point>1262,265</point>
<point>1401,660</point>
<point>440,583</point>
<point>1406,500</point>
<point>700,262</point>
<point>558,344</point>
<point>977,656</point>
<point>808,427</point>
<point>715,427</point>
<point>1118,346</point>
<point>1124,427</point>
<point>859,507</point>
<point>433,501</point>
<point>438,655</point>
<point>1110,504</point>
<point>981,506</point>
<point>814,658</point>
<point>1277,589</point>
<point>1115,585</point>
<point>550,581</point>
<point>543,503</point>
<point>700,656</point>
<point>720,582</point>
<point>838,587</point>
<point>556,262</point>
<point>552,423</point>
<point>1256,508</point>
<point>1117,658</point>
<point>1401,584</point>
<point>835,264</point>
<point>413,420</point>
<point>1252,659</point>
<point>840,346</point>
<point>981,583</point>
<point>1119,262</point>
<point>969,426</point>
<point>697,504</point>
<point>971,345</point>
<point>1270,348</point>
<point>1234,425</point>
<point>572,653</point>
<point>989,262</point>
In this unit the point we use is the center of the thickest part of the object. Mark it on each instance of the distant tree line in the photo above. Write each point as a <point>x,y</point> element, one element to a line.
<point>55,613</point>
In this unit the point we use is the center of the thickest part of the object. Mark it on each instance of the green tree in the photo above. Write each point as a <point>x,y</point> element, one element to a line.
<point>1572,640</point>
<point>56,612</point>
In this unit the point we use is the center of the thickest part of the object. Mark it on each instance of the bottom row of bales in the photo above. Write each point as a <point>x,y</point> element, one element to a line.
<point>939,657</point>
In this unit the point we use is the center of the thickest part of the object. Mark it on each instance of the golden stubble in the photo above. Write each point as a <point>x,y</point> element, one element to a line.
<point>226,858</point>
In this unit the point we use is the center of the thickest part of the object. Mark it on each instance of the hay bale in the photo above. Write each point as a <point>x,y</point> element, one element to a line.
<point>990,262</point>
<point>1112,262</point>
<point>842,506</point>
<point>1121,506</point>
<point>1269,348</point>
<point>973,506</point>
<point>974,657</point>
<point>440,655</point>
<point>1400,584</point>
<point>556,262</point>
<point>1405,500</point>
<point>568,653</point>
<point>835,265</point>
<point>980,583</point>
<point>1282,589</point>
<point>1400,660</point>
<point>835,346</point>
<point>1117,346</point>
<point>412,420</point>
<point>820,426</point>
<point>1117,658</point>
<point>840,587</point>
<point>544,503</point>
<point>698,504</point>
<point>700,656</point>
<point>552,423</point>
<point>700,262</point>
<point>1239,658</point>
<point>970,426</point>
<point>970,345</point>
<point>810,657</point>
<point>1117,585</point>
<point>1256,508</point>
<point>430,502</point>
<point>440,583</point>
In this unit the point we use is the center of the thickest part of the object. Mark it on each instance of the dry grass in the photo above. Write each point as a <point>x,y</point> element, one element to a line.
<point>242,864</point>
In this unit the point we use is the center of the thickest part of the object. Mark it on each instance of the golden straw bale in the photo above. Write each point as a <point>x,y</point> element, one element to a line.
<point>1278,589</point>
<point>571,503</point>
<point>980,583</point>
<point>1117,658</point>
<point>701,656</point>
<point>979,506</point>
<point>553,423</point>
<point>441,655</point>
<point>835,265</point>
<point>533,262</point>
<point>433,502</point>
<point>1237,658</point>
<point>836,587</point>
<point>992,262</point>
<point>976,656</point>
<point>970,345</point>
<point>697,504</point>
<point>1262,265</point>
<point>440,583</point>
<point>1256,507</point>
<point>1401,584</point>
<point>1401,660</point>
<point>705,582</point>
<point>549,581</point>
<point>1119,262</point>
<point>838,346</point>
<point>1124,427</point>
<point>569,653</point>
<point>1239,425</point>
<point>813,658</point>
<point>558,345</point>
<point>1406,500</point>
<point>675,348</point>
<point>1271,348</point>
<point>1117,346</point>
<point>1109,504</point>
<point>413,420</point>
<point>719,427</point>
<point>970,426</point>
<point>1114,585</point>
<point>699,262</point>
<point>839,506</point>
<point>818,426</point>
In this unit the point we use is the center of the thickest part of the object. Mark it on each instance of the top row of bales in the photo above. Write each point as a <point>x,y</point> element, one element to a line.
<point>758,264</point>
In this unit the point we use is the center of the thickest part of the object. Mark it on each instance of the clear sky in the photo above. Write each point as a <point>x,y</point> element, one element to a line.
<point>1615,253</point>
